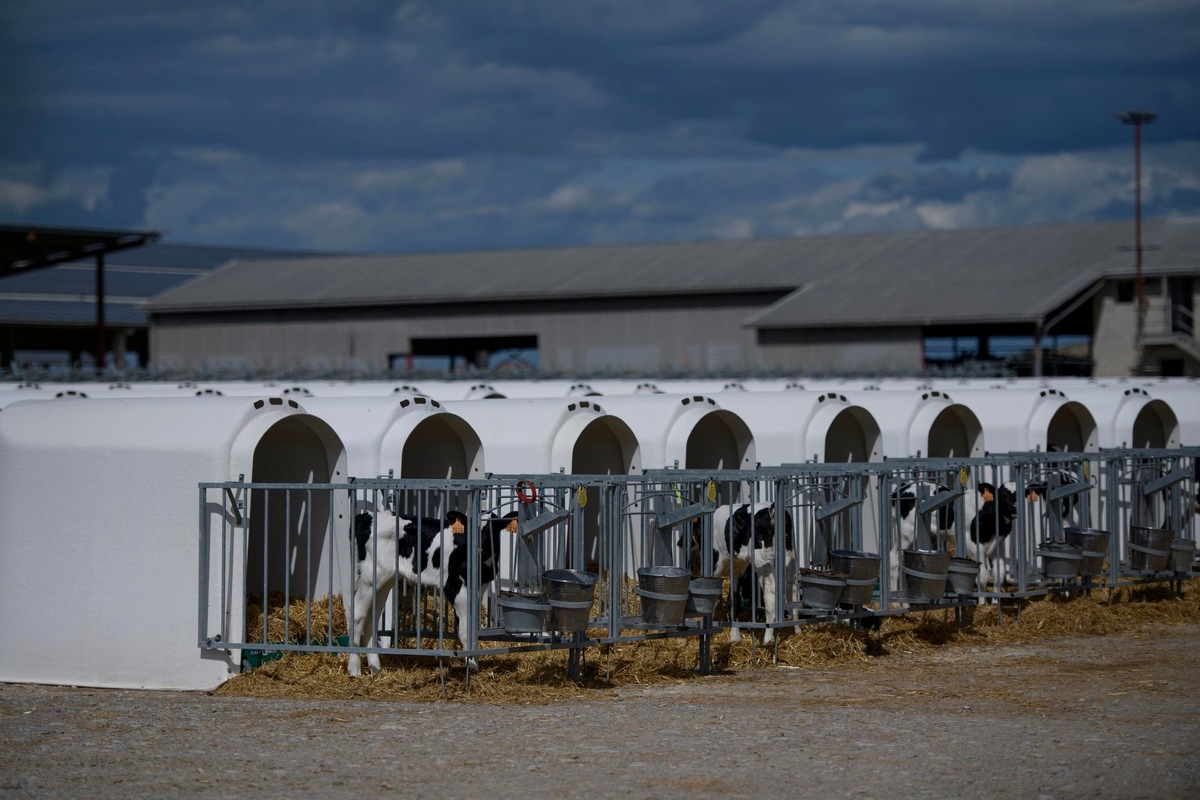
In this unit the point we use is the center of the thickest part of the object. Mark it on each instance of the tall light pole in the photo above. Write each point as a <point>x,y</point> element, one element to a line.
<point>1137,119</point>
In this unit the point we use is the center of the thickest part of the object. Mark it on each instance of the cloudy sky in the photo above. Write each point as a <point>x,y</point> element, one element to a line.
<point>382,125</point>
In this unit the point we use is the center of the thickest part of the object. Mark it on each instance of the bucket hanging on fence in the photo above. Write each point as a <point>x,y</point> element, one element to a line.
<point>1183,552</point>
<point>861,571</point>
<point>1093,544</point>
<point>1150,549</point>
<point>1060,561</point>
<point>823,590</point>
<point>925,574</point>
<point>664,593</point>
<point>962,574</point>
<point>703,596</point>
<point>523,612</point>
<point>570,593</point>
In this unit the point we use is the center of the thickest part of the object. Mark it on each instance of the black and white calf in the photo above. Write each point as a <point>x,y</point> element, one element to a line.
<point>904,514</point>
<point>1069,506</point>
<point>990,513</point>
<point>427,552</point>
<point>992,525</point>
<point>743,540</point>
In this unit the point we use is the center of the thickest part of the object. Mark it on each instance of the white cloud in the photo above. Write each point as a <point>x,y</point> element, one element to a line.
<point>330,226</point>
<point>25,187</point>
<point>567,198</point>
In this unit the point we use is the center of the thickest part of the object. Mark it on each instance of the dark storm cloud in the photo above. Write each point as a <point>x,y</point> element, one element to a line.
<point>1003,77</point>
<point>379,124</point>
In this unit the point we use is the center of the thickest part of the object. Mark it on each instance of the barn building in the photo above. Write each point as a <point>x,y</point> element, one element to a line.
<point>66,293</point>
<point>833,304</point>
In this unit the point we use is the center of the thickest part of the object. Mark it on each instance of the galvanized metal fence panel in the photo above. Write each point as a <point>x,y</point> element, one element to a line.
<point>280,563</point>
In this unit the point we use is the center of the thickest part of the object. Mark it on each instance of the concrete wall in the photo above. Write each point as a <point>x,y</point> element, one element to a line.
<point>694,335</point>
<point>1113,345</point>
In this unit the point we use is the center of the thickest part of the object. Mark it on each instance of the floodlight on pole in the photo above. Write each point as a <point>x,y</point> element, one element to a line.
<point>1137,119</point>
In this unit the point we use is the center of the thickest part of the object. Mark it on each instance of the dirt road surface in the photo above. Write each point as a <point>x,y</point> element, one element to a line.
<point>1091,717</point>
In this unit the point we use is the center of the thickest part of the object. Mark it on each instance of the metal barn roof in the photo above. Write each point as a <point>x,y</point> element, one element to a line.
<point>65,293</point>
<point>994,275</point>
<point>493,275</point>
<point>1000,274</point>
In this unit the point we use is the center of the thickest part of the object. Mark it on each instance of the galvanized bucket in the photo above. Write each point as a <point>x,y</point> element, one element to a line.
<point>570,593</point>
<point>823,590</point>
<point>523,613</point>
<point>664,593</point>
<point>1093,543</point>
<point>703,596</point>
<point>861,571</point>
<point>1183,552</point>
<point>1060,560</point>
<point>1150,549</point>
<point>925,574</point>
<point>963,574</point>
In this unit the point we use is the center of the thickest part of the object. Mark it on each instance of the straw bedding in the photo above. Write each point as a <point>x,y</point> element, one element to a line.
<point>542,676</point>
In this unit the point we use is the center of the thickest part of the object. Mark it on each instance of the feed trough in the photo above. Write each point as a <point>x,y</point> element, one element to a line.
<point>664,593</point>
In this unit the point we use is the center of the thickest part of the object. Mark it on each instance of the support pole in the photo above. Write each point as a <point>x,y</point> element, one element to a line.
<point>101,345</point>
<point>1137,119</point>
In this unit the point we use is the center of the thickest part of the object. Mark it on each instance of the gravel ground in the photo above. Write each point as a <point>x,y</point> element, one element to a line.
<point>1095,717</point>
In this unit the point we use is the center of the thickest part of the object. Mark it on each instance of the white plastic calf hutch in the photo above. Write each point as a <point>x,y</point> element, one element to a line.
<point>1129,416</point>
<point>542,436</point>
<point>795,426</point>
<point>99,505</point>
<point>922,423</point>
<point>685,431</point>
<point>1184,398</point>
<point>406,436</point>
<point>14,393</point>
<point>1023,419</point>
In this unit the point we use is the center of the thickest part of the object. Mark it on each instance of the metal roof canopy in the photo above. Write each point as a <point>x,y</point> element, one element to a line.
<point>30,247</point>
<point>25,247</point>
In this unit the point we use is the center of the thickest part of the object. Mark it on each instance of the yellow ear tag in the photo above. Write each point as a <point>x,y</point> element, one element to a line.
<point>581,497</point>
<point>1086,470</point>
<point>711,492</point>
<point>964,476</point>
